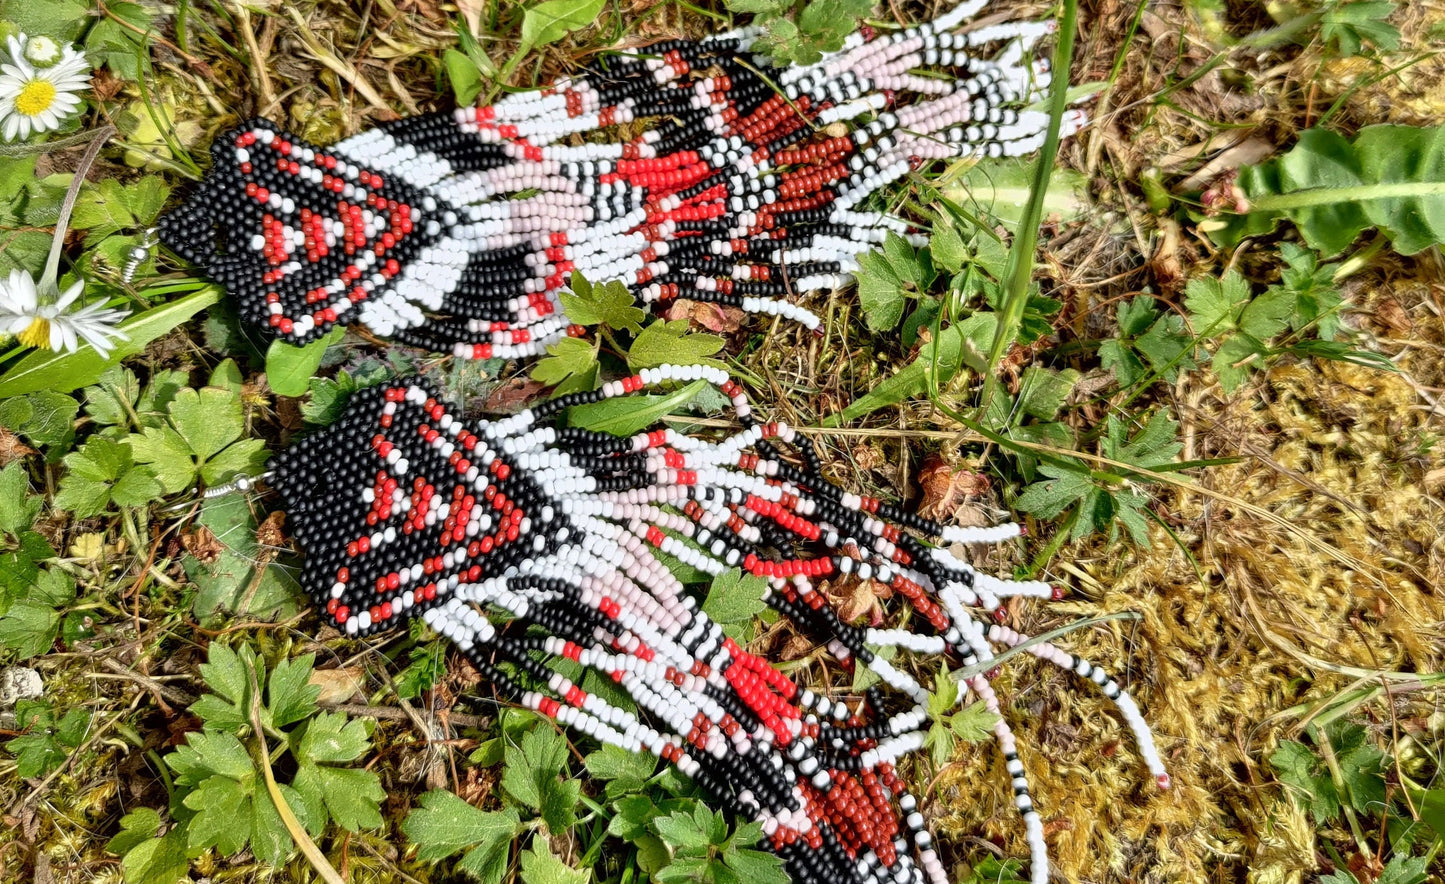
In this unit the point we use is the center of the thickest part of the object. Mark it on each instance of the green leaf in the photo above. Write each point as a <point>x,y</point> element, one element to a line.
<point>688,832</point>
<point>208,420</point>
<point>331,738</point>
<point>269,839</point>
<point>551,21</point>
<point>209,754</point>
<point>532,775</point>
<point>156,860</point>
<point>1390,177</point>
<point>1214,304</point>
<point>63,372</point>
<point>135,827</point>
<point>937,363</point>
<point>1167,347</point>
<point>888,278</point>
<point>1136,315</point>
<point>756,866</point>
<point>1346,27</point>
<point>1153,446</point>
<point>236,582</point>
<point>289,369</point>
<point>1403,869</point>
<point>445,824</point>
<point>52,587</point>
<point>168,455</point>
<point>290,696</point>
<point>244,458</point>
<point>228,675</point>
<point>18,507</point>
<point>352,797</point>
<point>1001,187</point>
<point>632,816</point>
<point>224,815</point>
<point>880,292</point>
<point>198,442</point>
<point>62,19</point>
<point>668,343</point>
<point>541,866</point>
<point>103,472</point>
<point>43,417</point>
<point>1362,767</point>
<point>1296,765</point>
<point>624,771</point>
<point>1235,358</point>
<point>1048,498</point>
<point>110,207</point>
<point>611,305</point>
<point>28,629</point>
<point>427,666</point>
<point>757,7</point>
<point>1268,314</point>
<point>1431,806</point>
<point>973,724</point>
<point>462,73</point>
<point>1042,391</point>
<point>734,599</point>
<point>571,366</point>
<point>626,415</point>
<point>328,398</point>
<point>1317,300</point>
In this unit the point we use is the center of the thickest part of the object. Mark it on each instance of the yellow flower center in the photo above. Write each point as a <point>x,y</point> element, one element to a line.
<point>35,97</point>
<point>37,334</point>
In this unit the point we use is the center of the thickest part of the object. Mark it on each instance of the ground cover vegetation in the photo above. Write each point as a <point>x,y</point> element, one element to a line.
<point>1198,347</point>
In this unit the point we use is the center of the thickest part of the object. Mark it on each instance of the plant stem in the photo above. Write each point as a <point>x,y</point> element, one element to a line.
<point>1325,196</point>
<point>1327,752</point>
<point>1021,257</point>
<point>47,285</point>
<point>298,833</point>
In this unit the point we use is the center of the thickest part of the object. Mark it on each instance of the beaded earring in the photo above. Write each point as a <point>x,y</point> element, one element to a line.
<point>526,544</point>
<point>455,232</point>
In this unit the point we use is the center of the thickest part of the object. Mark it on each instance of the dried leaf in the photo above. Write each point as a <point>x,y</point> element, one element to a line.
<point>202,544</point>
<point>713,317</point>
<point>269,534</point>
<point>946,489</point>
<point>513,394</point>
<point>11,448</point>
<point>338,685</point>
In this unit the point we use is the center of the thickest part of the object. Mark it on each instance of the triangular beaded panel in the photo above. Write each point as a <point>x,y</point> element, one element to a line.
<point>398,503</point>
<point>298,235</point>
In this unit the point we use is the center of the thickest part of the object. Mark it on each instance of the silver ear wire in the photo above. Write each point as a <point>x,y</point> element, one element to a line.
<point>241,484</point>
<point>138,254</point>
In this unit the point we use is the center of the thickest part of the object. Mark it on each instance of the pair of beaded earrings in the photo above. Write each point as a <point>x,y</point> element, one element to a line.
<point>526,544</point>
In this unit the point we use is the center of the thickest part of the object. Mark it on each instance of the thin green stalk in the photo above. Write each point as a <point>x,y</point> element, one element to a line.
<point>1327,196</point>
<point>1021,257</point>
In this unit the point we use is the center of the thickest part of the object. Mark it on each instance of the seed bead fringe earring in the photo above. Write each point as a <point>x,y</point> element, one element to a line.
<point>525,544</point>
<point>456,231</point>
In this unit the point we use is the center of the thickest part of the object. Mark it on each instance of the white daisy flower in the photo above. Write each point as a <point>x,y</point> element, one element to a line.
<point>35,97</point>
<point>55,325</point>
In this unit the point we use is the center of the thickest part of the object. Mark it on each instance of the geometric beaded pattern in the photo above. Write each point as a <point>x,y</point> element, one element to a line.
<point>416,506</point>
<point>309,239</point>
<point>531,547</point>
<point>685,173</point>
